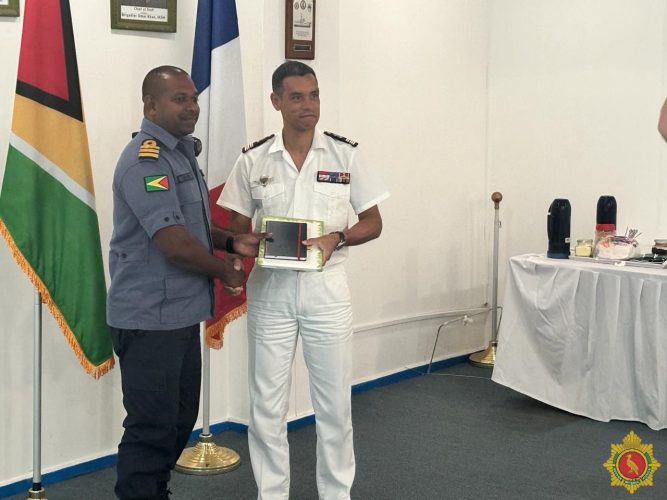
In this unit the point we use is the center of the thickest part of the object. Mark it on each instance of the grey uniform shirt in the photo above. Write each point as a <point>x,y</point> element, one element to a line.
<point>155,185</point>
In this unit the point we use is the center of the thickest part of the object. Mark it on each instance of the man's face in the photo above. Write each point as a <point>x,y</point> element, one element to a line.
<point>299,102</point>
<point>174,107</point>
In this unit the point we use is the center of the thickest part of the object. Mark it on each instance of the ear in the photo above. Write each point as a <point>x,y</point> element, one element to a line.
<point>149,104</point>
<point>275,100</point>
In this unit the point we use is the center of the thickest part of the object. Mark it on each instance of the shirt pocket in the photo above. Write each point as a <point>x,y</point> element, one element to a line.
<point>332,202</point>
<point>271,198</point>
<point>125,265</point>
<point>188,189</point>
<point>189,197</point>
<point>193,212</point>
<point>127,255</point>
<point>184,297</point>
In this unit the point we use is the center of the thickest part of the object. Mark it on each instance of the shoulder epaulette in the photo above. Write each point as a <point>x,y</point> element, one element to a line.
<point>149,149</point>
<point>253,145</point>
<point>342,139</point>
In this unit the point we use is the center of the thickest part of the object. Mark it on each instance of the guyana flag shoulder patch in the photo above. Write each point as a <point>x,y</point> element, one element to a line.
<point>156,183</point>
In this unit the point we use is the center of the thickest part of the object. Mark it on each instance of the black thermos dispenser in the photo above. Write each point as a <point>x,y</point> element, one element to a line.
<point>606,213</point>
<point>558,229</point>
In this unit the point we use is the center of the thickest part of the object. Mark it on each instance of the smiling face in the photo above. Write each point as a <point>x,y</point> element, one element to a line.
<point>299,102</point>
<point>173,104</point>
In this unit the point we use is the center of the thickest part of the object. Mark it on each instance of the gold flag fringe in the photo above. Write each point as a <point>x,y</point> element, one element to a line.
<point>91,369</point>
<point>215,333</point>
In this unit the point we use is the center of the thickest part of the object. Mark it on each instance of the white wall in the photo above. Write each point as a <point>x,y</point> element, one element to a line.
<point>450,99</point>
<point>400,276</point>
<point>574,95</point>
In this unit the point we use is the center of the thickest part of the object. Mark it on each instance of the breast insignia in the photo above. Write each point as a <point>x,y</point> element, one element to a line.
<point>149,149</point>
<point>253,145</point>
<point>352,143</point>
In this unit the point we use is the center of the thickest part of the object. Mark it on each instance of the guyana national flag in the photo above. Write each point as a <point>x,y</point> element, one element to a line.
<point>47,202</point>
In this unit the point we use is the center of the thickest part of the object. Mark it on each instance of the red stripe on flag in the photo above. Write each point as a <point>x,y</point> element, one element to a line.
<point>42,62</point>
<point>227,307</point>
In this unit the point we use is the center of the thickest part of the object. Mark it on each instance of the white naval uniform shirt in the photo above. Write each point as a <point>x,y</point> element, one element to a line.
<point>265,181</point>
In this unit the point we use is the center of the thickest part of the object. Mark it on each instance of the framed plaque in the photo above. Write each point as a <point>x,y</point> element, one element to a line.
<point>300,29</point>
<point>144,15</point>
<point>9,8</point>
<point>285,248</point>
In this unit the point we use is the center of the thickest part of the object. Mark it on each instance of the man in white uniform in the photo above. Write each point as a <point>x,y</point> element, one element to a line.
<point>303,173</point>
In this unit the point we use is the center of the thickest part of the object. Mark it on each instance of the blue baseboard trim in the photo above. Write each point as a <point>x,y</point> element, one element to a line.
<point>417,371</point>
<point>109,460</point>
<point>59,475</point>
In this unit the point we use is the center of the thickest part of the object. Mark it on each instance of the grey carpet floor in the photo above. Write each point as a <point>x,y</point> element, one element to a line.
<point>453,434</point>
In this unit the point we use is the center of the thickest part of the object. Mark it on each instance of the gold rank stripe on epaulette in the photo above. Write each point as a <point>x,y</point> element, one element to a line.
<point>149,149</point>
<point>352,143</point>
<point>253,145</point>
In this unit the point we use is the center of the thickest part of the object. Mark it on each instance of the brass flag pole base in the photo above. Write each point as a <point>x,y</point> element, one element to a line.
<point>206,458</point>
<point>486,358</point>
<point>40,493</point>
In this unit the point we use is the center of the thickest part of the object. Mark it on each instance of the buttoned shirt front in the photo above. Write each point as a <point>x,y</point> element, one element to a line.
<point>265,181</point>
<point>157,184</point>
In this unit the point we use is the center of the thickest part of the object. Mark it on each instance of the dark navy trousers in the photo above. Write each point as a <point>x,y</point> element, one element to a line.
<point>161,379</point>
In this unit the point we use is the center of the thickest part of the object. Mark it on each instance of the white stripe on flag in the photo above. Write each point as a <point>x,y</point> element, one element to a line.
<point>222,118</point>
<point>29,151</point>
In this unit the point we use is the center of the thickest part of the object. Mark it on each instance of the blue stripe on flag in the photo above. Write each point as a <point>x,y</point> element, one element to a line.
<point>217,24</point>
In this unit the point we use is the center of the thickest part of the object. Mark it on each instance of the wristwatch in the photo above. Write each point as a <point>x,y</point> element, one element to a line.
<point>229,244</point>
<point>341,239</point>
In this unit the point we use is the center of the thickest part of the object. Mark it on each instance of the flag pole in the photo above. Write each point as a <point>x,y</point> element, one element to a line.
<point>222,125</point>
<point>205,457</point>
<point>487,358</point>
<point>36,490</point>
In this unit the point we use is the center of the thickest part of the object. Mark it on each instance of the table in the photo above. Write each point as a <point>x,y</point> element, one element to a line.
<point>589,338</point>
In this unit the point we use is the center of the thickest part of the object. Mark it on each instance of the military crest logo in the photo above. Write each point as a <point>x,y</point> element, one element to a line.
<point>631,463</point>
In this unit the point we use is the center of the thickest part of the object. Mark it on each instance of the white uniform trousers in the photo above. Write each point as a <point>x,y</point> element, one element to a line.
<point>316,305</point>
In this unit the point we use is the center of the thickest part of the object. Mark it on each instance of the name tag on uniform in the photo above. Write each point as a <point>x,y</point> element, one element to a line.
<point>333,177</point>
<point>185,177</point>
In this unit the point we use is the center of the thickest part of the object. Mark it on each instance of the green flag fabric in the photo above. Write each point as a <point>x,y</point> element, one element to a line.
<point>47,202</point>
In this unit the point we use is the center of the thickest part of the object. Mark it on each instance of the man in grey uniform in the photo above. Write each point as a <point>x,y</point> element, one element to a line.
<point>161,267</point>
<point>303,173</point>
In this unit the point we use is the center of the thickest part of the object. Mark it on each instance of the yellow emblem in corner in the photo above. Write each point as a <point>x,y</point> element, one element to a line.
<point>631,463</point>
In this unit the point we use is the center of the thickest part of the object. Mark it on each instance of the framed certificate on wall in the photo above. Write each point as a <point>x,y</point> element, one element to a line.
<point>144,15</point>
<point>9,8</point>
<point>300,29</point>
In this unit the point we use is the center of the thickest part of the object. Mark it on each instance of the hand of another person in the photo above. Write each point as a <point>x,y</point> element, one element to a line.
<point>326,243</point>
<point>233,291</point>
<point>232,276</point>
<point>247,244</point>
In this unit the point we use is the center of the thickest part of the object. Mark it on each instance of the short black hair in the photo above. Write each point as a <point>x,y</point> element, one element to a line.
<point>289,68</point>
<point>153,79</point>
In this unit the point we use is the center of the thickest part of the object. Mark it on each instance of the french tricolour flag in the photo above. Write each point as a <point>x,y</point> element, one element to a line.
<point>216,71</point>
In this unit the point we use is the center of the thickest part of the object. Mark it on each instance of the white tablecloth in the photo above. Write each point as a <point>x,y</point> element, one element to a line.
<point>586,337</point>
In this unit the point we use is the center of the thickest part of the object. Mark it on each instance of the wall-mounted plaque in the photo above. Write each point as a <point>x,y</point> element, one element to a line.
<point>300,29</point>
<point>144,15</point>
<point>9,8</point>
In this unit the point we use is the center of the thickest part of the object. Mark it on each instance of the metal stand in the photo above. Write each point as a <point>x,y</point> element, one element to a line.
<point>207,458</point>
<point>36,490</point>
<point>487,358</point>
<point>465,319</point>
